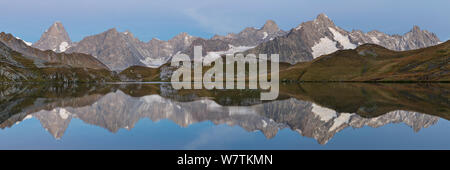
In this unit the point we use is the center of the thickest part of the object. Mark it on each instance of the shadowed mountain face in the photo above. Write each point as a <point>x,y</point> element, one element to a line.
<point>48,58</point>
<point>313,110</point>
<point>46,66</point>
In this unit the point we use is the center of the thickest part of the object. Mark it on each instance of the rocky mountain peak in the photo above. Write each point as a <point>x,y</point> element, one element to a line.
<point>216,36</point>
<point>375,32</point>
<point>111,31</point>
<point>57,27</point>
<point>270,26</point>
<point>323,19</point>
<point>181,35</point>
<point>421,32</point>
<point>415,28</point>
<point>128,33</point>
<point>180,42</point>
<point>54,38</point>
<point>322,16</point>
<point>114,36</point>
<point>248,29</point>
<point>417,38</point>
<point>320,24</point>
<point>155,40</point>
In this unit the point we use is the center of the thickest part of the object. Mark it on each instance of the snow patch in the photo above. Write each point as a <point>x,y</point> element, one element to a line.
<point>342,119</point>
<point>343,40</point>
<point>28,117</point>
<point>241,110</point>
<point>63,46</point>
<point>375,40</point>
<point>153,62</point>
<point>187,38</point>
<point>211,104</point>
<point>265,35</point>
<point>325,46</point>
<point>25,118</point>
<point>26,42</point>
<point>211,56</point>
<point>63,113</point>
<point>152,99</point>
<point>324,114</point>
<point>264,123</point>
<point>299,27</point>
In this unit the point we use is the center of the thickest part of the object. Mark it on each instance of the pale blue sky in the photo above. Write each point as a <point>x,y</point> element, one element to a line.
<point>166,18</point>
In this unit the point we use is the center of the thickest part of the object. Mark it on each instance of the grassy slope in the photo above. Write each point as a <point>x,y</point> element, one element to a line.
<point>53,72</point>
<point>140,73</point>
<point>374,63</point>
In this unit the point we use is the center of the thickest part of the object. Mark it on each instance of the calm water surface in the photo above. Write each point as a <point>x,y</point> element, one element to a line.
<point>155,116</point>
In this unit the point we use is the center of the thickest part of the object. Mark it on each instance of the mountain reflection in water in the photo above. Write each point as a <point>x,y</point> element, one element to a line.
<point>314,110</point>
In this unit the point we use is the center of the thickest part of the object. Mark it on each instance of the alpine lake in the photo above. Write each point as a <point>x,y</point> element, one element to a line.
<point>153,115</point>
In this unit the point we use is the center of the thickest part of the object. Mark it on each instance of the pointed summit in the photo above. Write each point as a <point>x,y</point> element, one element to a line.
<point>417,38</point>
<point>415,28</point>
<point>322,18</point>
<point>270,26</point>
<point>111,31</point>
<point>181,40</point>
<point>54,38</point>
<point>182,37</point>
<point>182,34</point>
<point>112,35</point>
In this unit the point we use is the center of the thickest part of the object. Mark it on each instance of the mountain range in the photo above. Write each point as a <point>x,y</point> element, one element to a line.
<point>321,36</point>
<point>316,50</point>
<point>120,50</point>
